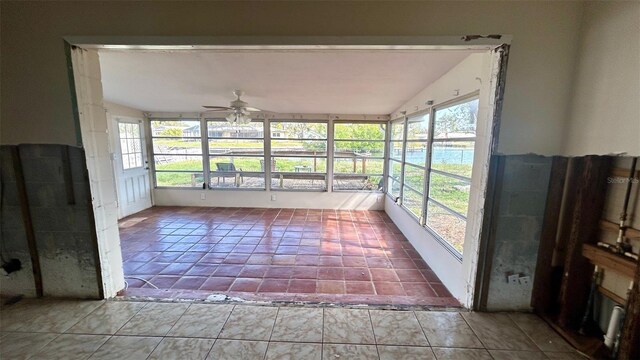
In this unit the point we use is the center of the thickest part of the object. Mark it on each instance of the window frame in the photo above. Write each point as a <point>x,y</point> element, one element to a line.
<point>326,156</point>
<point>428,170</point>
<point>382,157</point>
<point>401,141</point>
<point>209,156</point>
<point>425,168</point>
<point>139,138</point>
<point>151,149</point>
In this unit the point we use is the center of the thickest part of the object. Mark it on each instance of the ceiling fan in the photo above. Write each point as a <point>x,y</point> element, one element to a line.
<point>239,110</point>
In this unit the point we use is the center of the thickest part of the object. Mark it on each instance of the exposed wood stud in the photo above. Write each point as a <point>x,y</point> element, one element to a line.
<point>610,226</point>
<point>590,188</point>
<point>609,261</point>
<point>629,344</point>
<point>26,219</point>
<point>66,173</point>
<point>543,293</point>
<point>624,173</point>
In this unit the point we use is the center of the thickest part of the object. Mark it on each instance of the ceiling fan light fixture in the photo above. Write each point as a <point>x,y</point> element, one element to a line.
<point>240,113</point>
<point>244,119</point>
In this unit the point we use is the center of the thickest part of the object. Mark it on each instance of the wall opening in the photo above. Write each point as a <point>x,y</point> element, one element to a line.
<point>402,221</point>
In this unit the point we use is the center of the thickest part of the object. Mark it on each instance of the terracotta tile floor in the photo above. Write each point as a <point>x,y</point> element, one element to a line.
<point>275,254</point>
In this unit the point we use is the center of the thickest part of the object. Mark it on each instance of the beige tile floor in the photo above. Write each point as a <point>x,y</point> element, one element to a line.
<point>37,329</point>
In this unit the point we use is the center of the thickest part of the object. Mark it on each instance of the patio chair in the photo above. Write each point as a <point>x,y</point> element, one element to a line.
<point>224,170</point>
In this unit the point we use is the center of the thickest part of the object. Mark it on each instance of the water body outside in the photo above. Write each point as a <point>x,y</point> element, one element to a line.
<point>443,155</point>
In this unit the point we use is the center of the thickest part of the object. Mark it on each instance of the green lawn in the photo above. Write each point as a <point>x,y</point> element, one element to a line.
<point>447,190</point>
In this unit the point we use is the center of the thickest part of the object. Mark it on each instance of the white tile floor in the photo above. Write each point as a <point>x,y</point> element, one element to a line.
<point>37,329</point>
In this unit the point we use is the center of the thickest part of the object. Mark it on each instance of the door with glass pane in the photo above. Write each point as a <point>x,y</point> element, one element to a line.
<point>131,166</point>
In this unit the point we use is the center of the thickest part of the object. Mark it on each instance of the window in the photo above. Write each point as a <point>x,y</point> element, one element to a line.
<point>298,155</point>
<point>177,153</point>
<point>236,155</point>
<point>130,145</point>
<point>395,158</point>
<point>415,157</point>
<point>358,162</point>
<point>444,171</point>
<point>451,164</point>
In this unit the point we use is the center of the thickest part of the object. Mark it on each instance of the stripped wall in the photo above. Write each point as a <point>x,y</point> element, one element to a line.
<point>13,236</point>
<point>614,201</point>
<point>57,193</point>
<point>515,230</point>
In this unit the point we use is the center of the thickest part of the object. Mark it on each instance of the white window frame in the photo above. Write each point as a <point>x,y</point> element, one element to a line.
<point>422,219</point>
<point>153,153</point>
<point>267,138</point>
<point>328,155</point>
<point>382,157</point>
<point>126,151</point>
<point>388,187</point>
<point>209,156</point>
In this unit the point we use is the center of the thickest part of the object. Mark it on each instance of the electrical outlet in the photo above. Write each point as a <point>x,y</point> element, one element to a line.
<point>203,196</point>
<point>513,279</point>
<point>525,280</point>
<point>273,197</point>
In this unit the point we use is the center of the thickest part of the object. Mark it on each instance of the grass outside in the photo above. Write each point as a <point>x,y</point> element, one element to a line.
<point>448,226</point>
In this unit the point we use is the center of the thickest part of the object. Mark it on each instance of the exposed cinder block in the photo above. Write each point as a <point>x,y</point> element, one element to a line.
<point>63,231</point>
<point>12,233</point>
<point>526,203</point>
<point>521,206</point>
<point>11,218</point>
<point>526,173</point>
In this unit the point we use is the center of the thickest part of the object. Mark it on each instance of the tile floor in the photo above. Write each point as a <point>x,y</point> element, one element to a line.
<point>46,329</point>
<point>275,254</point>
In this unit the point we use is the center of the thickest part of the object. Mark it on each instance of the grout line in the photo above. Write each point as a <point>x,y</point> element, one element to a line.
<point>525,332</point>
<point>155,347</point>
<point>219,332</point>
<point>275,321</point>
<point>421,328</point>
<point>322,337</point>
<point>131,318</point>
<point>474,332</point>
<point>373,330</point>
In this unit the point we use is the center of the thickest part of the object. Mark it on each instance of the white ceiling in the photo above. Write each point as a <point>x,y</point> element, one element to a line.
<point>311,82</point>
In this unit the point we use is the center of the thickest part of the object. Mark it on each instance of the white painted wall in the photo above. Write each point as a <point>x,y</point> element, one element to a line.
<point>605,111</point>
<point>93,124</point>
<point>471,75</point>
<point>543,50</point>
<point>262,199</point>
<point>121,110</point>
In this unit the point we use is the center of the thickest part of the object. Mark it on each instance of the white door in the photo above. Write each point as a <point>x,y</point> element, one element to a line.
<point>131,166</point>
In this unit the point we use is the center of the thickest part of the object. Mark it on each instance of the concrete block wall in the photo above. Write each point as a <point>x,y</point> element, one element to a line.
<point>13,238</point>
<point>65,238</point>
<point>95,140</point>
<point>521,203</point>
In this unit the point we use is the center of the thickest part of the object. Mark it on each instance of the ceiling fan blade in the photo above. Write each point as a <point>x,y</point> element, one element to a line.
<point>217,108</point>
<point>252,109</point>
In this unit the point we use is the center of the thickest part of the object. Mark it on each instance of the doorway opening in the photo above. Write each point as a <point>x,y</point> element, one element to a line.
<point>363,183</point>
<point>130,164</point>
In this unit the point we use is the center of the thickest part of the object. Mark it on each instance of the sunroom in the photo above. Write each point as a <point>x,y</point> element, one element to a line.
<point>333,175</point>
